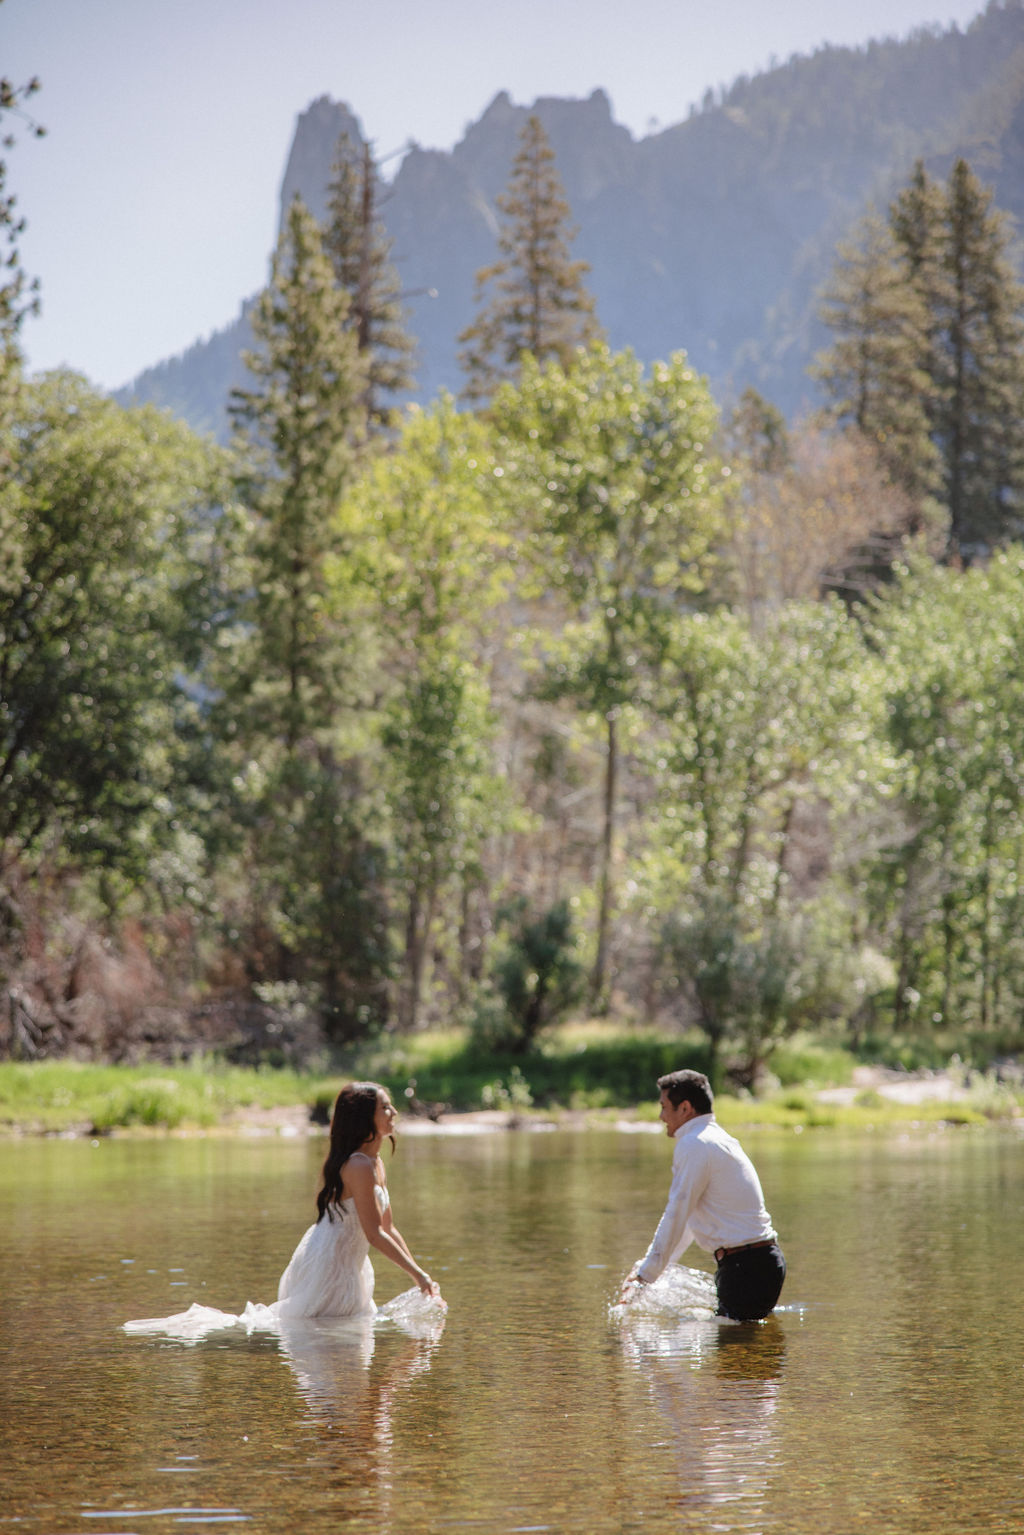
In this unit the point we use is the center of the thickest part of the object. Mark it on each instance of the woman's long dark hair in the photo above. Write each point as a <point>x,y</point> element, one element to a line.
<point>351,1127</point>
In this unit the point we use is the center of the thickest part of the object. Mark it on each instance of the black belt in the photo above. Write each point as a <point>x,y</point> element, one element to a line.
<point>744,1247</point>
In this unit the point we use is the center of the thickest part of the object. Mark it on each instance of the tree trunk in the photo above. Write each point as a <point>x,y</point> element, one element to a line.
<point>599,978</point>
<point>412,981</point>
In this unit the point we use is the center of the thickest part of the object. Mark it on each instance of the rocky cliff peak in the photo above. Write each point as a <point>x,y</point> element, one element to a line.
<point>312,154</point>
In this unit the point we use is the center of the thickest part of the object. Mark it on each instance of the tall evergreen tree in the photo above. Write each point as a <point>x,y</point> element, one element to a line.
<point>875,371</point>
<point>980,426</point>
<point>929,356</point>
<point>538,302</point>
<point>301,422</point>
<point>756,432</point>
<point>313,909</point>
<point>18,294</point>
<point>359,249</point>
<point>917,222</point>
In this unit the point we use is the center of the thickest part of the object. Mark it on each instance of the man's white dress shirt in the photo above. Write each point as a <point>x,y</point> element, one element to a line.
<point>715,1199</point>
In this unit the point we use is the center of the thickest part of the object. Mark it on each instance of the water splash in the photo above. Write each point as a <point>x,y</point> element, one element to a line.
<point>412,1312</point>
<point>679,1293</point>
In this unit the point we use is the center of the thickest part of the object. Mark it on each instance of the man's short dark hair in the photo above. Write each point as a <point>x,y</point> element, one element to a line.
<point>688,1087</point>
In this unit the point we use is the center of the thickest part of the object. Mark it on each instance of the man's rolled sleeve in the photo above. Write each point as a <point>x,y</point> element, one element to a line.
<point>673,1234</point>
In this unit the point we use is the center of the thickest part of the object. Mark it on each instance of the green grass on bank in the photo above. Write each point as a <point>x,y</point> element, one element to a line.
<point>590,1068</point>
<point>55,1096</point>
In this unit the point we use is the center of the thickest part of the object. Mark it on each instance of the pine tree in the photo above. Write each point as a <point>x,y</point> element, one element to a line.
<point>301,421</point>
<point>539,304</point>
<point>756,432</point>
<point>359,249</point>
<point>18,294</point>
<point>929,356</point>
<point>917,220</point>
<point>980,428</point>
<point>313,897</point>
<point>875,371</point>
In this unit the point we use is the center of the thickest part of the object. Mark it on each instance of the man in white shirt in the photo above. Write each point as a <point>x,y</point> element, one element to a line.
<point>716,1201</point>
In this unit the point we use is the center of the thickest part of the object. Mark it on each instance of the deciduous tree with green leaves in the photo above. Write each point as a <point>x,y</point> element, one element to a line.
<point>764,760</point>
<point>946,892</point>
<point>429,568</point>
<point>99,583</point>
<point>622,492</point>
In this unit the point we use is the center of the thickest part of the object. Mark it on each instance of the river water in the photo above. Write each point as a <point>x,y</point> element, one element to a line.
<point>885,1395</point>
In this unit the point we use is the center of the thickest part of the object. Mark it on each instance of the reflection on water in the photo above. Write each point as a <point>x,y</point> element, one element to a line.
<point>884,1396</point>
<point>354,1396</point>
<point>716,1383</point>
<point>331,1362</point>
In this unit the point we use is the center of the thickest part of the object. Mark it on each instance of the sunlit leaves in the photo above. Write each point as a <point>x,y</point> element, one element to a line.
<point>428,567</point>
<point>106,519</point>
<point>949,893</point>
<point>621,496</point>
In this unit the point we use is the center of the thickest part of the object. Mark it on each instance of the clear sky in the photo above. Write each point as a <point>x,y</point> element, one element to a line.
<point>152,201</point>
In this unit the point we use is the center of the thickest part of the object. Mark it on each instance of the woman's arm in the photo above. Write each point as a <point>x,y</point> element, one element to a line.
<point>360,1178</point>
<point>389,1226</point>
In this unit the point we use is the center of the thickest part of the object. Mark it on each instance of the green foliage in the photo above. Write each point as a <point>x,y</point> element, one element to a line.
<point>359,248</point>
<point>103,517</point>
<point>314,896</point>
<point>311,870</point>
<point>876,368</point>
<point>624,497</point>
<point>756,432</point>
<point>540,306</point>
<point>767,749</point>
<point>18,295</point>
<point>747,985</point>
<point>803,1059</point>
<point>298,428</point>
<point>611,1068</point>
<point>624,492</point>
<point>515,1095</point>
<point>536,972</point>
<point>980,427</point>
<point>612,1071</point>
<point>946,893</point>
<point>428,568</point>
<point>928,359</point>
<point>62,1095</point>
<point>320,734</point>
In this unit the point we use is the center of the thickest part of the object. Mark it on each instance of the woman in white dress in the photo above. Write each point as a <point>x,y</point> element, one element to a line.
<point>330,1273</point>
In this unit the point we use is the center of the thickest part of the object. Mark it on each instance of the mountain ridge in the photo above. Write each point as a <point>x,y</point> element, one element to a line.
<point>712,235</point>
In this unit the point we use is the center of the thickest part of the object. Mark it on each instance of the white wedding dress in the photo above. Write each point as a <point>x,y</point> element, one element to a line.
<point>329,1276</point>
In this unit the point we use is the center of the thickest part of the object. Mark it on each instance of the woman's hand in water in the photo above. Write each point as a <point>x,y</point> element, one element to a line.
<point>632,1286</point>
<point>428,1286</point>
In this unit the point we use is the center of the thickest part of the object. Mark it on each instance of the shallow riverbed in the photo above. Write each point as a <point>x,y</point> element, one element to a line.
<point>884,1395</point>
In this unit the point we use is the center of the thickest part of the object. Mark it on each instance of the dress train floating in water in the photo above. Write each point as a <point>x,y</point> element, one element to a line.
<point>329,1278</point>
